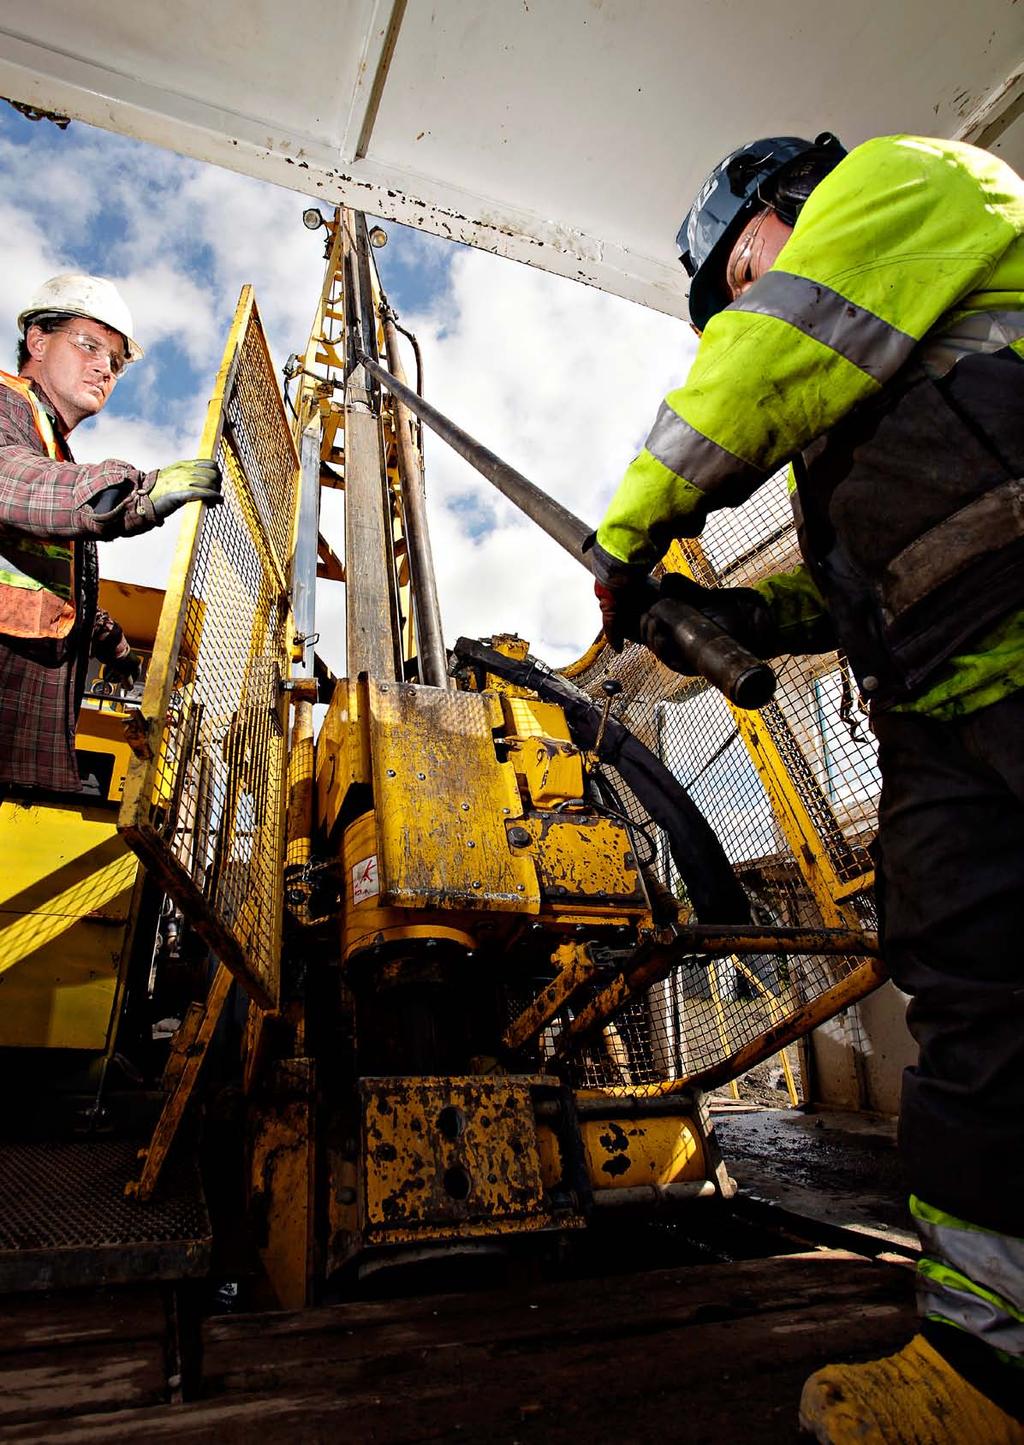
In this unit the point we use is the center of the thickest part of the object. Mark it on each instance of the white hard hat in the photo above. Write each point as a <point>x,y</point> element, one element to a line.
<point>80,295</point>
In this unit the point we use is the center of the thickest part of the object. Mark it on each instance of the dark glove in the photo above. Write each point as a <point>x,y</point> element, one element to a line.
<point>740,611</point>
<point>181,483</point>
<point>623,590</point>
<point>124,671</point>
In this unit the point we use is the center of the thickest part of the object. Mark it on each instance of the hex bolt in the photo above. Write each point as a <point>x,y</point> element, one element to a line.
<point>519,837</point>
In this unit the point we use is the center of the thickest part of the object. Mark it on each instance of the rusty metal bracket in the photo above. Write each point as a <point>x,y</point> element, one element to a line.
<point>575,967</point>
<point>679,942</point>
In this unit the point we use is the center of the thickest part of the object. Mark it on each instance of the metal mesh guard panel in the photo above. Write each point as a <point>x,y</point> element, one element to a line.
<point>208,812</point>
<point>707,1010</point>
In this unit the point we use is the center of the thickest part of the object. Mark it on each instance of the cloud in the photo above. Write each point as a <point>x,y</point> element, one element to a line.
<point>167,304</point>
<point>30,257</point>
<point>559,379</point>
<point>563,382</point>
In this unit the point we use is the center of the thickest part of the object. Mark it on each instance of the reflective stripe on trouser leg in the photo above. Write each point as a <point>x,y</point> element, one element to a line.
<point>971,1278</point>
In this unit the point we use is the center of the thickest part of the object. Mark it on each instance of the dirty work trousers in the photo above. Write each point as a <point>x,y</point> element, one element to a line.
<point>951,896</point>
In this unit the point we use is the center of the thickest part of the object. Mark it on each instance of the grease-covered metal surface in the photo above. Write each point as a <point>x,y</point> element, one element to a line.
<point>443,800</point>
<point>455,1156</point>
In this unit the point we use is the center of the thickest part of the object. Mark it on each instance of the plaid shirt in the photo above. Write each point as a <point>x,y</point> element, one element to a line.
<point>42,681</point>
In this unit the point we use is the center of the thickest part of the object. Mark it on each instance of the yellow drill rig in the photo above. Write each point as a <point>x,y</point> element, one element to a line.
<point>472,928</point>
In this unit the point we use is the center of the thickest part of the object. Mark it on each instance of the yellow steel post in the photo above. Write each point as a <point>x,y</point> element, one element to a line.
<point>723,1031</point>
<point>794,818</point>
<point>776,1013</point>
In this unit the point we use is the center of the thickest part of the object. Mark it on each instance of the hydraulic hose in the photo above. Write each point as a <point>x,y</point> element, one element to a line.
<point>696,851</point>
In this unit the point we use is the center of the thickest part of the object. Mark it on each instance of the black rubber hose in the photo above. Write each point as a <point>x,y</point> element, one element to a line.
<point>696,850</point>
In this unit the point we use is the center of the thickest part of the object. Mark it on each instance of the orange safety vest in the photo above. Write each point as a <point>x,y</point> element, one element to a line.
<point>37,576</point>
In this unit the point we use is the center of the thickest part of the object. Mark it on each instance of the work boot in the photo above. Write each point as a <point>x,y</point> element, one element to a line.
<point>911,1398</point>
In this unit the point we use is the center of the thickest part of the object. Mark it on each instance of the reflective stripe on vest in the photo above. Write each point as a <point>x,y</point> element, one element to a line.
<point>972,1278</point>
<point>36,575</point>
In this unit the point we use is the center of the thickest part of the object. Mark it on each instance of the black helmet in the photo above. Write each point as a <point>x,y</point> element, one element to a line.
<point>780,172</point>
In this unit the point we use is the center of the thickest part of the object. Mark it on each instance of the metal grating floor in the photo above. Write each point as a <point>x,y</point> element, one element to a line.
<point>65,1220</point>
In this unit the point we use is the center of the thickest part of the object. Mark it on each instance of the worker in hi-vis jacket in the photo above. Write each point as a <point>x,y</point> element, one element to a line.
<point>76,341</point>
<point>862,318</point>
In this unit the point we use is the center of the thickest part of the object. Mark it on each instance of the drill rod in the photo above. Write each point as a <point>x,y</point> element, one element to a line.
<point>667,625</point>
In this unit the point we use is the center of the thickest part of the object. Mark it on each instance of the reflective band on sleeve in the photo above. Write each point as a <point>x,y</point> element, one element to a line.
<point>857,335</point>
<point>697,459</point>
<point>977,333</point>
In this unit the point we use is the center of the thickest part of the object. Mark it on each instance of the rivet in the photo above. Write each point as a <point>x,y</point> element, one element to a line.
<point>421,776</point>
<point>470,844</point>
<point>478,884</point>
<point>464,807</point>
<point>391,772</point>
<point>520,887</point>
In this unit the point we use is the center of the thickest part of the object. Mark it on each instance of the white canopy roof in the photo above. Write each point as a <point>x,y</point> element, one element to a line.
<point>570,134</point>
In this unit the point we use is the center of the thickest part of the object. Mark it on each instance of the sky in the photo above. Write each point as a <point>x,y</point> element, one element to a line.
<point>557,378</point>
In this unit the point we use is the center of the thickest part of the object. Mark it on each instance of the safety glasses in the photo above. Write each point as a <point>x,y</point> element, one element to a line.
<point>89,346</point>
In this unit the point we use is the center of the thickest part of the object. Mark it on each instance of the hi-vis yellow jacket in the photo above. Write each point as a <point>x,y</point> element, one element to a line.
<point>37,577</point>
<point>901,242</point>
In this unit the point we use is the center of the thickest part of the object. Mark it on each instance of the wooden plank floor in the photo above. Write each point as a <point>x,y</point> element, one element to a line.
<point>705,1355</point>
<point>80,1353</point>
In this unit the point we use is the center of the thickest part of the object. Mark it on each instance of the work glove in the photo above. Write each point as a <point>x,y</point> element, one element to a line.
<point>623,591</point>
<point>183,482</point>
<point>739,611</point>
<point>124,671</point>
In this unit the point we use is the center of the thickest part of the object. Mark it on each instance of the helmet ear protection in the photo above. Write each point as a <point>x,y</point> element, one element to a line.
<point>779,172</point>
<point>788,190</point>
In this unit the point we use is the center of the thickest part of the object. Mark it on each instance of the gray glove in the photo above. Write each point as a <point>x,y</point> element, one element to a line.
<point>184,482</point>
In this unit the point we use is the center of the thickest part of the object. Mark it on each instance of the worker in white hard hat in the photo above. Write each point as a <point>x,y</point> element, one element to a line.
<point>77,339</point>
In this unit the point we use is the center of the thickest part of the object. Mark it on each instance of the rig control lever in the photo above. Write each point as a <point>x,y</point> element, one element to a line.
<point>682,637</point>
